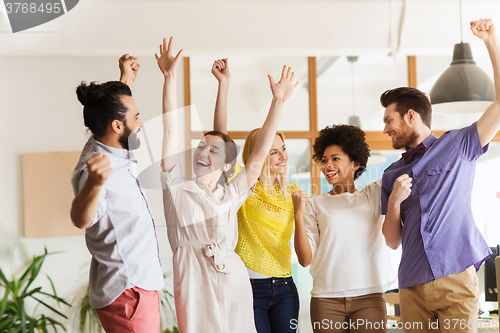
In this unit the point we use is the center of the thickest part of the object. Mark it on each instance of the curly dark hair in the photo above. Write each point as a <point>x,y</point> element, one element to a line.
<point>350,138</point>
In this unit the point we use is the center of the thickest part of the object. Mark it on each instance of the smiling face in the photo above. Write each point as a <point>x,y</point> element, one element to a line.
<point>398,128</point>
<point>278,157</point>
<point>209,157</point>
<point>338,169</point>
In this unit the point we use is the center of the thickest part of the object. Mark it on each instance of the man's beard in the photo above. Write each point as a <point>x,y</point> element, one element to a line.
<point>129,139</point>
<point>405,137</point>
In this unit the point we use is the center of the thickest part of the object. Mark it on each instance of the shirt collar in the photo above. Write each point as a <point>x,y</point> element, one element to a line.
<point>428,142</point>
<point>118,152</point>
<point>202,187</point>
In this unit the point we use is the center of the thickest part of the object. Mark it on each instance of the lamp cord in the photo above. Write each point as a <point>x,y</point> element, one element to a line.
<point>461,33</point>
<point>352,83</point>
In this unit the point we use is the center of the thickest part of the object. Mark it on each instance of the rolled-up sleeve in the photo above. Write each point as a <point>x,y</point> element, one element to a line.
<point>470,144</point>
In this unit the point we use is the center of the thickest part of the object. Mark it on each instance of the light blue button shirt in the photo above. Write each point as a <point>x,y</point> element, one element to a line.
<point>440,236</point>
<point>122,237</point>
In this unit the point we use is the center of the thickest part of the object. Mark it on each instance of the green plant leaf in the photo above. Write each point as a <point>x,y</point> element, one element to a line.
<point>5,299</point>
<point>53,289</point>
<point>58,299</point>
<point>42,327</point>
<point>54,323</point>
<point>31,292</point>
<point>32,324</point>
<point>33,271</point>
<point>4,323</point>
<point>3,278</point>
<point>30,269</point>
<point>48,306</point>
<point>22,314</point>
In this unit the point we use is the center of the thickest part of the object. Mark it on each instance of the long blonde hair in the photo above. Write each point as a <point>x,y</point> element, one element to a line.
<point>265,175</point>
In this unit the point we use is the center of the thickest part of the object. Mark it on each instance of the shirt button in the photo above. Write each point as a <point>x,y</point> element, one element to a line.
<point>428,248</point>
<point>416,175</point>
<point>424,229</point>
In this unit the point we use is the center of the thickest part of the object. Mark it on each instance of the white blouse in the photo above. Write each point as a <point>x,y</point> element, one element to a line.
<point>350,257</point>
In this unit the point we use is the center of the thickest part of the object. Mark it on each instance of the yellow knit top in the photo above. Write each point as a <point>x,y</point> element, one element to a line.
<point>265,225</point>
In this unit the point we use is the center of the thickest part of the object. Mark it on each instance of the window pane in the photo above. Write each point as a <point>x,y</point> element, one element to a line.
<point>249,94</point>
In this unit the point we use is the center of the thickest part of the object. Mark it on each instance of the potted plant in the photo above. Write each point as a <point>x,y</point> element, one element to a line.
<point>13,315</point>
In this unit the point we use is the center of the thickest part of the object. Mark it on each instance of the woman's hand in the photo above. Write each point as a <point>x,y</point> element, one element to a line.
<point>285,86</point>
<point>166,61</point>
<point>299,199</point>
<point>220,70</point>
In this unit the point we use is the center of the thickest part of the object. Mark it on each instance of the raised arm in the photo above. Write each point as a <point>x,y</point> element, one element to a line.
<point>220,70</point>
<point>489,123</point>
<point>85,204</point>
<point>281,92</point>
<point>168,66</point>
<point>301,243</point>
<point>392,228</point>
<point>129,67</point>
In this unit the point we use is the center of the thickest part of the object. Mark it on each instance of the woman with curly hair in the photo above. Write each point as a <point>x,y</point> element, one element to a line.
<point>339,233</point>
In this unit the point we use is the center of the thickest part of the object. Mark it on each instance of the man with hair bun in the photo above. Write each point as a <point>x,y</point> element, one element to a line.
<point>426,200</point>
<point>125,271</point>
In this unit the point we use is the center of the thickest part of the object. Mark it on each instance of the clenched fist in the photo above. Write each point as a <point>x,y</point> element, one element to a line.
<point>401,190</point>
<point>99,169</point>
<point>299,199</point>
<point>220,70</point>
<point>484,29</point>
<point>129,67</point>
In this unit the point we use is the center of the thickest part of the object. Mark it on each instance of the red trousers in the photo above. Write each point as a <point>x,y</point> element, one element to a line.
<point>135,310</point>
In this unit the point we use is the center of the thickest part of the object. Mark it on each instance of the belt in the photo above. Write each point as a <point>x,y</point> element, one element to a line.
<point>209,250</point>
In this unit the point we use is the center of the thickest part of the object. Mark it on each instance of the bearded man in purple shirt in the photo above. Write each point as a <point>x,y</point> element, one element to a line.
<point>426,200</point>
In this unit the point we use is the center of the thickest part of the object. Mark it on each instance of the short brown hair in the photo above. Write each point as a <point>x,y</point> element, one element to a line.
<point>407,98</point>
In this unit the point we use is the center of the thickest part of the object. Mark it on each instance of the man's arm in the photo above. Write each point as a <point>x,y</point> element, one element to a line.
<point>85,204</point>
<point>489,123</point>
<point>392,228</point>
<point>129,67</point>
<point>220,70</point>
<point>168,66</point>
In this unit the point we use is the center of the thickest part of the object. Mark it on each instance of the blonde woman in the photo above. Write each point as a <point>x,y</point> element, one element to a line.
<point>265,223</point>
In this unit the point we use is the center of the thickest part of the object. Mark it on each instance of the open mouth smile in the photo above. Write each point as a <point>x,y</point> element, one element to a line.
<point>202,163</point>
<point>331,174</point>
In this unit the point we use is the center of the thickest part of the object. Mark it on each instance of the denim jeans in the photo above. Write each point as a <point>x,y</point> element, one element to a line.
<point>275,304</point>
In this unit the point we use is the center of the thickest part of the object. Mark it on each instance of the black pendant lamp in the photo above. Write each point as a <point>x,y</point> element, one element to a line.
<point>464,81</point>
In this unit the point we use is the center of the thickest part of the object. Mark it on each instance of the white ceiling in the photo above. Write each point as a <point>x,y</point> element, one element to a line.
<point>252,27</point>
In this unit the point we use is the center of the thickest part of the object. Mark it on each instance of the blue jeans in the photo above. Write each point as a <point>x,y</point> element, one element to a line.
<point>275,304</point>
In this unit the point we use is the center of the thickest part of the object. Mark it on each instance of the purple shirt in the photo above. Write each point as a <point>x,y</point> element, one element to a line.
<point>440,236</point>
